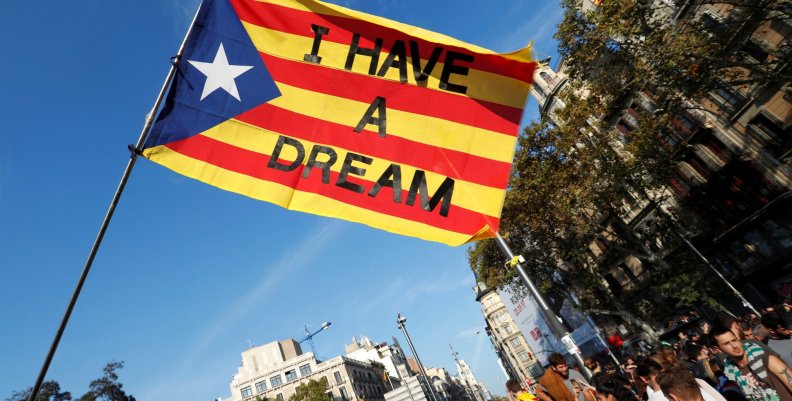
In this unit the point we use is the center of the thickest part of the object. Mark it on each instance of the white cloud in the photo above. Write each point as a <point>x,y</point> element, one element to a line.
<point>407,291</point>
<point>292,260</point>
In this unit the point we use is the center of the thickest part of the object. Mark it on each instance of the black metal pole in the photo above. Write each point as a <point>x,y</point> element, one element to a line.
<point>550,316</point>
<point>401,320</point>
<point>106,222</point>
<point>734,291</point>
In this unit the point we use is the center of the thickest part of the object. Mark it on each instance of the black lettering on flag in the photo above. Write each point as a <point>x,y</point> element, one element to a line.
<point>443,193</point>
<point>385,180</point>
<point>283,140</point>
<point>325,166</point>
<point>449,68</point>
<point>398,50</point>
<point>423,74</point>
<point>319,31</point>
<point>348,168</point>
<point>355,49</point>
<point>377,105</point>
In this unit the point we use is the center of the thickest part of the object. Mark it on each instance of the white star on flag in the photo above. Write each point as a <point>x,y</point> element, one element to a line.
<point>220,74</point>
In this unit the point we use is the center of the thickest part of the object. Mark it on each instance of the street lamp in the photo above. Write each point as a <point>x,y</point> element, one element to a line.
<point>400,320</point>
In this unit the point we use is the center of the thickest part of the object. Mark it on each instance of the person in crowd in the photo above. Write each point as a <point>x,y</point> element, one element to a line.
<point>666,357</point>
<point>779,336</point>
<point>761,333</point>
<point>628,369</point>
<point>559,383</point>
<point>647,371</point>
<point>699,360</point>
<point>761,375</point>
<point>595,368</point>
<point>727,320</point>
<point>615,387</point>
<point>678,384</point>
<point>515,392</point>
<point>747,329</point>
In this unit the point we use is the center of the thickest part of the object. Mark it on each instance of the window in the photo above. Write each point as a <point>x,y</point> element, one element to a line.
<point>507,328</point>
<point>344,394</point>
<point>730,100</point>
<point>247,392</point>
<point>305,370</point>
<point>539,91</point>
<point>337,376</point>
<point>276,381</point>
<point>291,375</point>
<point>500,317</point>
<point>515,342</point>
<point>546,77</point>
<point>279,396</point>
<point>779,141</point>
<point>711,20</point>
<point>522,355</point>
<point>261,386</point>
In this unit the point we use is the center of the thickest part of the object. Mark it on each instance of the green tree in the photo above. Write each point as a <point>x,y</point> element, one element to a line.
<point>314,390</point>
<point>50,391</point>
<point>570,179</point>
<point>107,387</point>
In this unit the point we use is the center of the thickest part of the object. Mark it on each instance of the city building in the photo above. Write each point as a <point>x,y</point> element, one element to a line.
<point>275,370</point>
<point>389,355</point>
<point>414,388</point>
<point>735,168</point>
<point>477,391</point>
<point>515,356</point>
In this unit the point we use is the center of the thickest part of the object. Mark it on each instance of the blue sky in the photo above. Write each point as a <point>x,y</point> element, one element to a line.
<point>188,273</point>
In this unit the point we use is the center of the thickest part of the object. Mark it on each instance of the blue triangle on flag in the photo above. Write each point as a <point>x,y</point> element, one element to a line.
<point>185,113</point>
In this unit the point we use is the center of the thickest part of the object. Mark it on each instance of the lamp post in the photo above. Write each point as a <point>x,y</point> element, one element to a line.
<point>400,320</point>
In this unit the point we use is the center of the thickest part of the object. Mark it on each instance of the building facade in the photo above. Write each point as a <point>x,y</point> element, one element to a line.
<point>477,391</point>
<point>735,168</point>
<point>389,355</point>
<point>515,355</point>
<point>275,370</point>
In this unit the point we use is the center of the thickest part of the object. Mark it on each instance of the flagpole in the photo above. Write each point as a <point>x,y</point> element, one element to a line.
<point>552,319</point>
<point>135,152</point>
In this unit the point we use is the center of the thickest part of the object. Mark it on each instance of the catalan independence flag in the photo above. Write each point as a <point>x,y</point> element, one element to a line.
<point>325,110</point>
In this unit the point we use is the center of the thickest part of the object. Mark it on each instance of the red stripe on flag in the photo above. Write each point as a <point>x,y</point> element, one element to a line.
<point>409,98</point>
<point>254,165</point>
<point>452,163</point>
<point>299,22</point>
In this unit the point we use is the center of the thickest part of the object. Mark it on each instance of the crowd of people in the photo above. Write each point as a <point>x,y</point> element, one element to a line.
<point>727,359</point>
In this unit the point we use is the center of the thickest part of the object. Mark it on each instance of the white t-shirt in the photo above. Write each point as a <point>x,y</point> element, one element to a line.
<point>707,392</point>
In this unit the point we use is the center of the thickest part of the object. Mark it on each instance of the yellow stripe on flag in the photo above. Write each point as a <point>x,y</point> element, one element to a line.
<point>296,200</point>
<point>471,196</point>
<point>415,127</point>
<point>499,89</point>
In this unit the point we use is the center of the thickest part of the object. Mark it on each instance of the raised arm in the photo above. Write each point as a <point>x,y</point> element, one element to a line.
<point>781,370</point>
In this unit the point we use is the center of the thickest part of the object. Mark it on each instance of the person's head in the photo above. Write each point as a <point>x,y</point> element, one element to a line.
<point>591,364</point>
<point>746,329</point>
<point>776,326</point>
<point>696,352</point>
<point>614,387</point>
<point>678,384</point>
<point>513,386</point>
<point>727,342</point>
<point>727,320</point>
<point>760,333</point>
<point>647,371</point>
<point>666,356</point>
<point>558,364</point>
<point>694,335</point>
